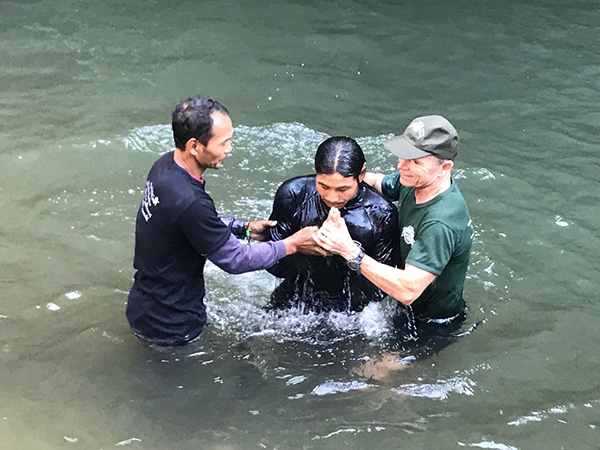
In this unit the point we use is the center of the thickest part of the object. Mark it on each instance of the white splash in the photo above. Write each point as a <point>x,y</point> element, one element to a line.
<point>73,295</point>
<point>494,445</point>
<point>128,442</point>
<point>335,387</point>
<point>558,220</point>
<point>439,390</point>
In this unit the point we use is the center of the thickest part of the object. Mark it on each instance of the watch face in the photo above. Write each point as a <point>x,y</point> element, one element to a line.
<point>353,265</point>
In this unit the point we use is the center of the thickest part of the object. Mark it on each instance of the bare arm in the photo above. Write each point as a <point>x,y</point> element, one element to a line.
<point>374,180</point>
<point>403,285</point>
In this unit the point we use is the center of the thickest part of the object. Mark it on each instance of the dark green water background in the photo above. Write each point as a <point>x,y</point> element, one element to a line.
<point>86,90</point>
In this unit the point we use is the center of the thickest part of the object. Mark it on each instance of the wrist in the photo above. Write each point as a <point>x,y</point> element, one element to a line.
<point>355,261</point>
<point>353,251</point>
<point>290,246</point>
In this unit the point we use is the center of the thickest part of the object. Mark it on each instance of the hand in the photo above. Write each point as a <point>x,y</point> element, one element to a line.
<point>380,369</point>
<point>257,228</point>
<point>334,237</point>
<point>302,241</point>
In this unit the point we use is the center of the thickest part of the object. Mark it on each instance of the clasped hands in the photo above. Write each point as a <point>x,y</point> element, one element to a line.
<point>332,238</point>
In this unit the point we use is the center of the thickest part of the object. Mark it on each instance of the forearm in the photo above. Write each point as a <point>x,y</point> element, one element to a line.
<point>391,280</point>
<point>235,257</point>
<point>403,285</point>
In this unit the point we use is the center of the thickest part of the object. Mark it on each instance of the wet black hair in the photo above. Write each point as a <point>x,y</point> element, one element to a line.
<point>340,154</point>
<point>191,118</point>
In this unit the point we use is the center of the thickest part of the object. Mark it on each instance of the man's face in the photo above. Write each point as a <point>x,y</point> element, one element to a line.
<point>420,172</point>
<point>335,189</point>
<point>218,147</point>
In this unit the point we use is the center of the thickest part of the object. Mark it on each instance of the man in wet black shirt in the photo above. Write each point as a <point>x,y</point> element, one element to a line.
<point>325,283</point>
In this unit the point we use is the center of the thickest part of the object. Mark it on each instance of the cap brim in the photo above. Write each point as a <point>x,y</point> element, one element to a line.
<point>404,149</point>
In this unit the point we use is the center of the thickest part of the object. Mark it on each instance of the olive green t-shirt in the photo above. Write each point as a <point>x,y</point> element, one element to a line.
<point>436,236</point>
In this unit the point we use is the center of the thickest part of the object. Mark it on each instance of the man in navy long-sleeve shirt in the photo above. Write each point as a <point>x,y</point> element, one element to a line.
<point>178,228</point>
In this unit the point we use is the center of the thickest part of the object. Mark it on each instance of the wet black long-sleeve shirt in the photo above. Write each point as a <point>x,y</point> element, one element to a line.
<point>323,283</point>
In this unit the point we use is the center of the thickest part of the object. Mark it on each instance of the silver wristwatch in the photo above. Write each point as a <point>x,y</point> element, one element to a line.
<point>354,264</point>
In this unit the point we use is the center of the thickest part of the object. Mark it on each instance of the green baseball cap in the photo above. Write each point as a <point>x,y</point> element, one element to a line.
<point>427,135</point>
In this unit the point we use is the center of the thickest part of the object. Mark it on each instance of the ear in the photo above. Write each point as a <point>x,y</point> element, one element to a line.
<point>363,172</point>
<point>193,146</point>
<point>447,165</point>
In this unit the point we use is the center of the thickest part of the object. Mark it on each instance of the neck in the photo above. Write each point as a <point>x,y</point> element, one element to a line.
<point>188,163</point>
<point>426,193</point>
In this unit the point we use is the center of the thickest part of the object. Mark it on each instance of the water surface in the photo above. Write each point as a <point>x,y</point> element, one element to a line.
<point>86,90</point>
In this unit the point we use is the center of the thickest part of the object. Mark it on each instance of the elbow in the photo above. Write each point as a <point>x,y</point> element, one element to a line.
<point>404,298</point>
<point>405,294</point>
<point>233,270</point>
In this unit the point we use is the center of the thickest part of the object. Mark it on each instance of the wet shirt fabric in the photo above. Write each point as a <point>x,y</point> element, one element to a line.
<point>435,236</point>
<point>177,227</point>
<point>324,283</point>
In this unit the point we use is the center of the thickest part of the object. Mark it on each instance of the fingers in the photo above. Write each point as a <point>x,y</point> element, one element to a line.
<point>261,225</point>
<point>327,227</point>
<point>334,213</point>
<point>322,240</point>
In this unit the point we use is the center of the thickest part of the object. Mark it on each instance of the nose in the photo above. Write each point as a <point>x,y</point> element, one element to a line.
<point>332,198</point>
<point>403,164</point>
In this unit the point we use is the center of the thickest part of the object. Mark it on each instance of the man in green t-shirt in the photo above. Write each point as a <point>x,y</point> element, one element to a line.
<point>436,231</point>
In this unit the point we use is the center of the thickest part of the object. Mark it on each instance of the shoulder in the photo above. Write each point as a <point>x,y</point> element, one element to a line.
<point>453,202</point>
<point>295,186</point>
<point>373,199</point>
<point>450,211</point>
<point>298,183</point>
<point>173,185</point>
